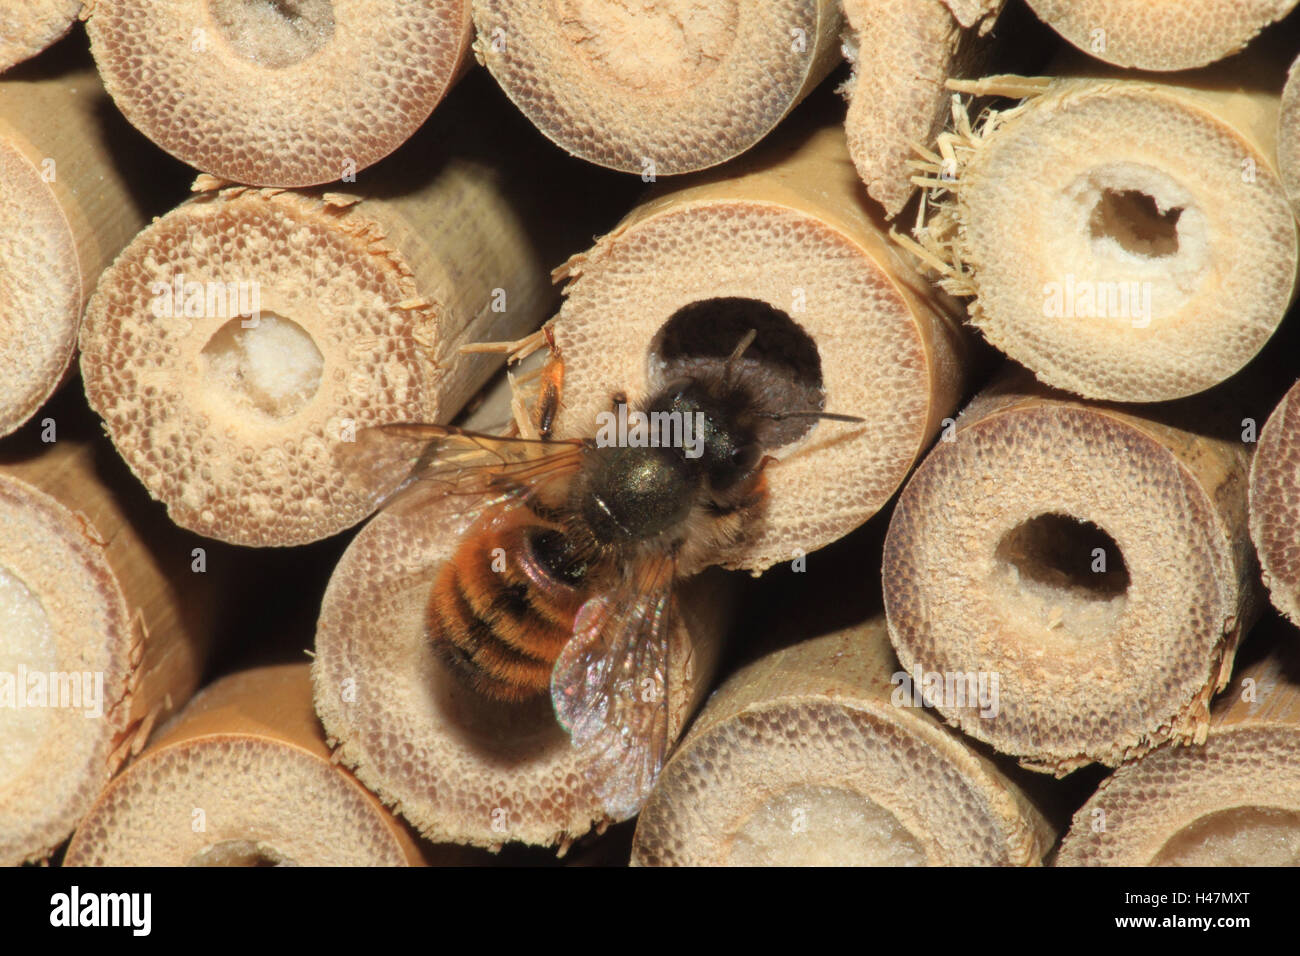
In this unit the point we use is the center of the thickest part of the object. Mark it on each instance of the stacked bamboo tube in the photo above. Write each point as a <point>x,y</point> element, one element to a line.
<point>1138,33</point>
<point>239,338</point>
<point>658,89</point>
<point>812,756</point>
<point>294,93</point>
<point>1288,135</point>
<point>29,26</point>
<point>903,54</point>
<point>106,620</point>
<point>1150,266</point>
<point>242,777</point>
<point>784,243</point>
<point>1233,802</point>
<point>66,210</point>
<point>1095,558</point>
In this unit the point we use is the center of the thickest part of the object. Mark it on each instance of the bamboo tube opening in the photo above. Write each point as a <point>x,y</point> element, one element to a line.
<point>1094,562</point>
<point>1254,835</point>
<point>1053,560</point>
<point>657,89</point>
<point>1150,265</point>
<point>273,368</point>
<point>1275,503</point>
<point>274,33</point>
<point>840,827</point>
<point>279,92</point>
<point>1160,36</point>
<point>65,644</point>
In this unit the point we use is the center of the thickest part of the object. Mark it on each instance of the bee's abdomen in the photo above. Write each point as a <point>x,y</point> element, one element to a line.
<point>497,617</point>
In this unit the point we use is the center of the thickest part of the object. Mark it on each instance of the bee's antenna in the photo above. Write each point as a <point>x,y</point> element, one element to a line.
<point>746,341</point>
<point>779,416</point>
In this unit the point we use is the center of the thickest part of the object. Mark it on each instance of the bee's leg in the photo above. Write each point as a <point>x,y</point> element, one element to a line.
<point>551,388</point>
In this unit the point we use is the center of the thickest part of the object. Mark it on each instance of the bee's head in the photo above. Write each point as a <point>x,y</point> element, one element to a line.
<point>718,426</point>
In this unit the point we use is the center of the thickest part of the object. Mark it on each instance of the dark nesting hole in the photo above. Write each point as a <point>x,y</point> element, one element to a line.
<point>239,853</point>
<point>1132,219</point>
<point>781,369</point>
<point>1063,552</point>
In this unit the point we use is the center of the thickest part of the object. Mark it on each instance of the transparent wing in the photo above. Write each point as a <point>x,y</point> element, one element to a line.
<point>403,466</point>
<point>610,686</point>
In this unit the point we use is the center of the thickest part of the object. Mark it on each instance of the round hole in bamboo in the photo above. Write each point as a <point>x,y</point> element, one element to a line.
<point>650,47</point>
<point>269,364</point>
<point>781,367</point>
<point>250,853</point>
<point>1131,219</point>
<point>26,641</point>
<point>1072,567</point>
<point>824,826</point>
<point>274,33</point>
<point>1255,836</point>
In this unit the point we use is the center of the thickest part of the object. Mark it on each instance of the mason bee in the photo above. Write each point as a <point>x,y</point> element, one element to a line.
<point>562,582</point>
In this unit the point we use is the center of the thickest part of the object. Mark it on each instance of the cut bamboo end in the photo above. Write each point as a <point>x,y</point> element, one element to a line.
<point>1275,504</point>
<point>1138,33</point>
<point>810,756</point>
<point>672,88</point>
<point>291,93</point>
<point>29,26</point>
<point>1127,240</point>
<point>96,644</point>
<point>1288,135</point>
<point>1233,802</point>
<point>902,56</point>
<point>459,767</point>
<point>784,246</point>
<point>1094,564</point>
<point>242,336</point>
<point>242,777</point>
<point>65,210</point>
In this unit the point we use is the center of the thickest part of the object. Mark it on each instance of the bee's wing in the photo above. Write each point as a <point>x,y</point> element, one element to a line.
<point>403,465</point>
<point>610,686</point>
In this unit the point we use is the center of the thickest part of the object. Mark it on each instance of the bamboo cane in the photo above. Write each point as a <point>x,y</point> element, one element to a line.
<point>239,338</point>
<point>1233,802</point>
<point>657,89</point>
<point>903,53</point>
<point>1288,135</point>
<point>1273,476</point>
<point>461,768</point>
<point>242,777</point>
<point>106,608</point>
<point>1095,559</point>
<point>817,755</point>
<point>283,93</point>
<point>29,26</point>
<point>66,208</point>
<point>1159,36</point>
<point>1126,239</point>
<point>783,243</point>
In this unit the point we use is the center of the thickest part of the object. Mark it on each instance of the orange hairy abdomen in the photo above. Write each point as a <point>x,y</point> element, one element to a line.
<point>496,616</point>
